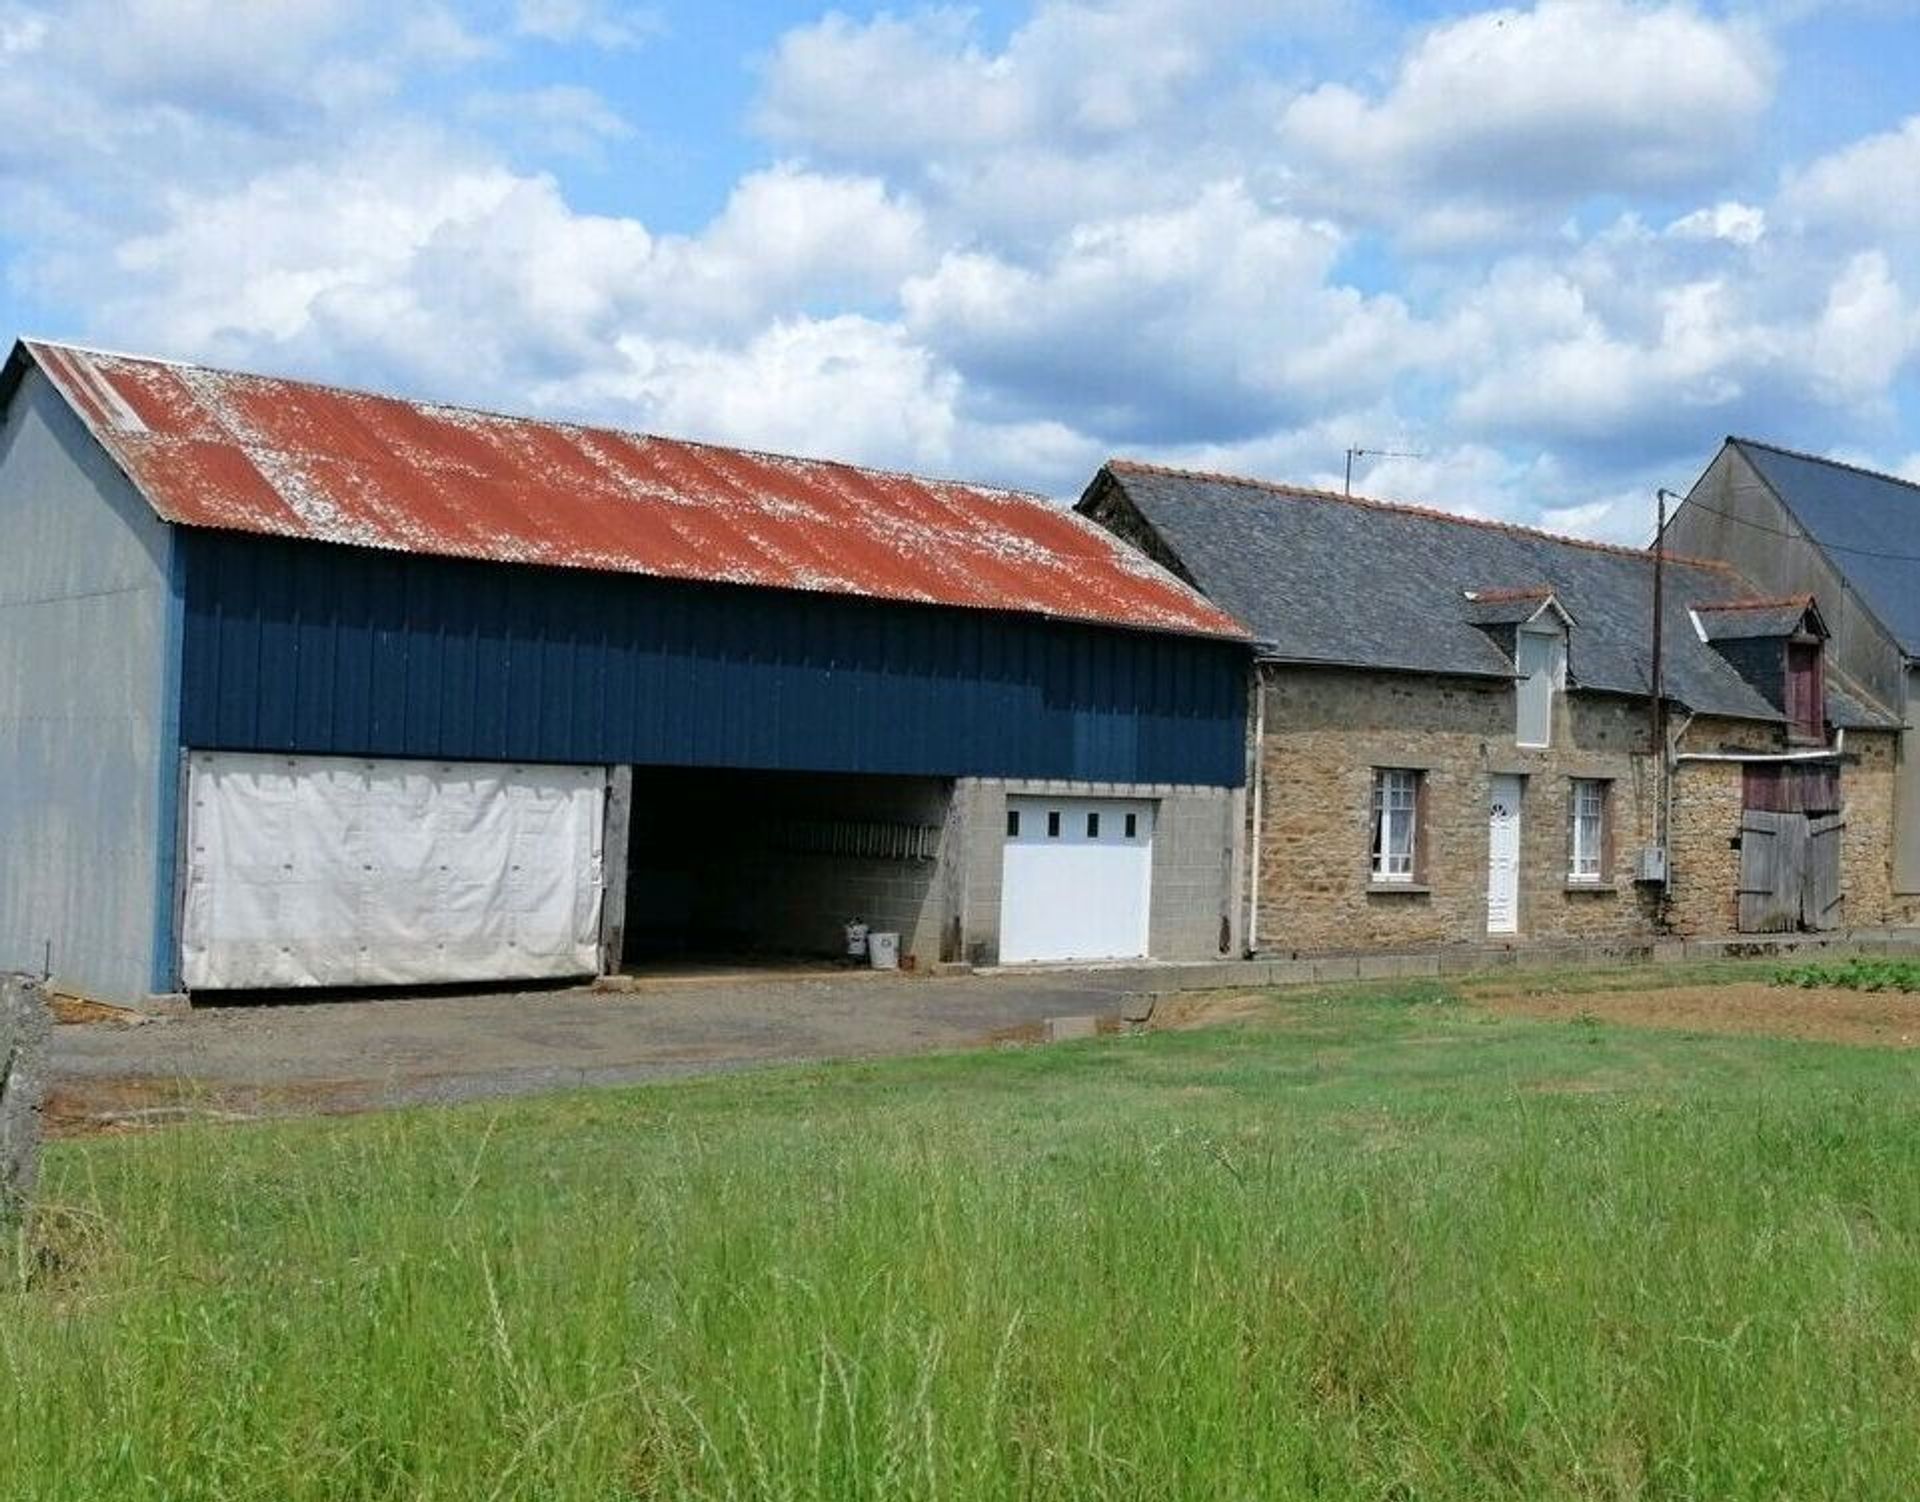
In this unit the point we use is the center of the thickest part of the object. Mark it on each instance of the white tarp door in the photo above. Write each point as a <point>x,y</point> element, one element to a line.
<point>1076,879</point>
<point>1503,856</point>
<point>336,871</point>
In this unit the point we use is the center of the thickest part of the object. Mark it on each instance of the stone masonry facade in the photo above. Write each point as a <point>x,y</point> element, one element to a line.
<point>1327,730</point>
<point>1702,896</point>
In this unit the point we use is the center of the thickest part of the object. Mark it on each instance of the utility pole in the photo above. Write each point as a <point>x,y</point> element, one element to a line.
<point>1360,453</point>
<point>1657,708</point>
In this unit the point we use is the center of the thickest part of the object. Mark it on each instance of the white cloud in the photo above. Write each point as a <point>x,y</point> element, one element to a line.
<point>843,387</point>
<point>1736,223</point>
<point>612,27</point>
<point>1532,109</point>
<point>900,86</point>
<point>1217,313</point>
<point>1871,185</point>
<point>1133,225</point>
<point>1866,332</point>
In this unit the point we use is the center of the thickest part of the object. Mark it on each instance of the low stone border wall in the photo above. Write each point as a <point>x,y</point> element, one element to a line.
<point>24,1028</point>
<point>1261,970</point>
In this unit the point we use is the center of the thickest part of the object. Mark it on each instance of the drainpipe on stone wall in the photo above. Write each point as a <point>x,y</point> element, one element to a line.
<point>1259,786</point>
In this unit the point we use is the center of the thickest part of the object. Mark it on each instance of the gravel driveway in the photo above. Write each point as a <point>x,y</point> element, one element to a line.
<point>358,1054</point>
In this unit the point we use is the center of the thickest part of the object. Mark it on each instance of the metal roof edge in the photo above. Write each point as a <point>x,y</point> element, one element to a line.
<point>1241,636</point>
<point>495,414</point>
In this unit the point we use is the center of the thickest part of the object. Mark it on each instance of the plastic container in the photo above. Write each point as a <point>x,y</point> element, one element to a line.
<point>884,951</point>
<point>856,940</point>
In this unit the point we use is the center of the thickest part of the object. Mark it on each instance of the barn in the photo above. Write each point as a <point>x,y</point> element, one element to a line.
<point>302,686</point>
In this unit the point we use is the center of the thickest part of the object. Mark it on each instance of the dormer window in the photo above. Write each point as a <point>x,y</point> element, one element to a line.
<point>1805,697</point>
<point>1530,625</point>
<point>1777,646</point>
<point>1540,668</point>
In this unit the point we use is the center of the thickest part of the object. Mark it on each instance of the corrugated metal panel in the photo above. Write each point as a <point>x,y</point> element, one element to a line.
<point>295,647</point>
<point>253,454</point>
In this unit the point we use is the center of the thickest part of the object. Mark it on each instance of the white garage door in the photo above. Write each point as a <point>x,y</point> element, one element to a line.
<point>1076,880</point>
<point>331,871</point>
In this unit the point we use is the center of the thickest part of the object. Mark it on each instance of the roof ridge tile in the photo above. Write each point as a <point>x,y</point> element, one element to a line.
<point>1780,603</point>
<point>1810,458</point>
<point>1404,508</point>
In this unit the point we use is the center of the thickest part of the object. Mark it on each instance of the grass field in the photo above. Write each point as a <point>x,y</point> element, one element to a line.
<point>1388,1246</point>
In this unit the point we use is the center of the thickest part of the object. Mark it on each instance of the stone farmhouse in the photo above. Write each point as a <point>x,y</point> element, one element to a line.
<point>1795,525</point>
<point>1455,737</point>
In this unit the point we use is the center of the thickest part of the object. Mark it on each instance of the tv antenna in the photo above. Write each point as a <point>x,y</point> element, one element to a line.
<point>1360,453</point>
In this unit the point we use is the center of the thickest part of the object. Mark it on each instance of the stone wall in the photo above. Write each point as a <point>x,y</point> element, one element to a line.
<point>24,1026</point>
<point>1328,729</point>
<point>1703,895</point>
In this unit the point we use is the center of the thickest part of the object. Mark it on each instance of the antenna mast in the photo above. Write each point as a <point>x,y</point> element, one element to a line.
<point>1360,453</point>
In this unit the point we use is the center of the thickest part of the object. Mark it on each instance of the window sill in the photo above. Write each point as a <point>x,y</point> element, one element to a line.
<point>1398,889</point>
<point>1593,886</point>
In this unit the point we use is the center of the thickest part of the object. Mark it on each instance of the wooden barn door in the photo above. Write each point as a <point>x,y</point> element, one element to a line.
<point>1772,855</point>
<point>1789,871</point>
<point>1820,898</point>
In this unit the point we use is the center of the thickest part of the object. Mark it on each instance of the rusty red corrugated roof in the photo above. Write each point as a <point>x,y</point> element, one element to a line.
<point>252,453</point>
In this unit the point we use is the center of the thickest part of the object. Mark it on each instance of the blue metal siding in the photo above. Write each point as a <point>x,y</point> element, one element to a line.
<point>300,646</point>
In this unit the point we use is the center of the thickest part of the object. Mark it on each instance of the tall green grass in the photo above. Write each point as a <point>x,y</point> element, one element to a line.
<point>1371,1251</point>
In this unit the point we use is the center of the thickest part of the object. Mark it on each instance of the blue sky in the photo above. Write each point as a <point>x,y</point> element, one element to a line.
<point>1555,251</point>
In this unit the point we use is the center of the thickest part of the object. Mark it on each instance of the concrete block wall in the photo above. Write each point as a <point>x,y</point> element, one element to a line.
<point>1327,730</point>
<point>1195,900</point>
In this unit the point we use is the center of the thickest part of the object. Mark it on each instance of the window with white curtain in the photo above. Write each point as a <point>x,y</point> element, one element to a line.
<point>1587,861</point>
<point>1396,807</point>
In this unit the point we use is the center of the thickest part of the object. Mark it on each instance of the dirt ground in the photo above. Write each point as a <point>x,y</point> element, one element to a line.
<point>1882,1019</point>
<point>1885,1019</point>
<point>238,1062</point>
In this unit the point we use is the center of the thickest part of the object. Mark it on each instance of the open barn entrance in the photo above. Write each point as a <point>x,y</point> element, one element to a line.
<point>727,865</point>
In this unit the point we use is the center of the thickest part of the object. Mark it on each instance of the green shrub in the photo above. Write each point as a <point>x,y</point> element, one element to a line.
<point>1855,974</point>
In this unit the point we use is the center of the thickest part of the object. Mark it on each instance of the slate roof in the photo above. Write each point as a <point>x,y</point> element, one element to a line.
<point>1743,620</point>
<point>1858,517</point>
<point>251,453</point>
<point>1508,607</point>
<point>1323,578</point>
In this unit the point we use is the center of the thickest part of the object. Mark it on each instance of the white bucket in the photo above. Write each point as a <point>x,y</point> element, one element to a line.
<point>884,951</point>
<point>856,940</point>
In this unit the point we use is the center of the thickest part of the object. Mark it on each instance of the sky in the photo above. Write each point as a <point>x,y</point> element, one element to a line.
<point>1545,256</point>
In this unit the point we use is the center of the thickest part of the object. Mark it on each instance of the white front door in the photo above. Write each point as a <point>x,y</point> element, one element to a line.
<point>1503,856</point>
<point>1076,879</point>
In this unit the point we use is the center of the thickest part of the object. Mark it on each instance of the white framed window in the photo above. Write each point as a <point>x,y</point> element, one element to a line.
<point>1396,813</point>
<point>1587,858</point>
<point>1540,660</point>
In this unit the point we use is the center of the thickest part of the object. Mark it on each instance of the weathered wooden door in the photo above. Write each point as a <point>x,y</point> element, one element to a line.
<point>1789,871</point>
<point>1770,871</point>
<point>1820,898</point>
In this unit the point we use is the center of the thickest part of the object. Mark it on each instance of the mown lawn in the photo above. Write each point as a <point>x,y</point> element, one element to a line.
<point>1383,1247</point>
